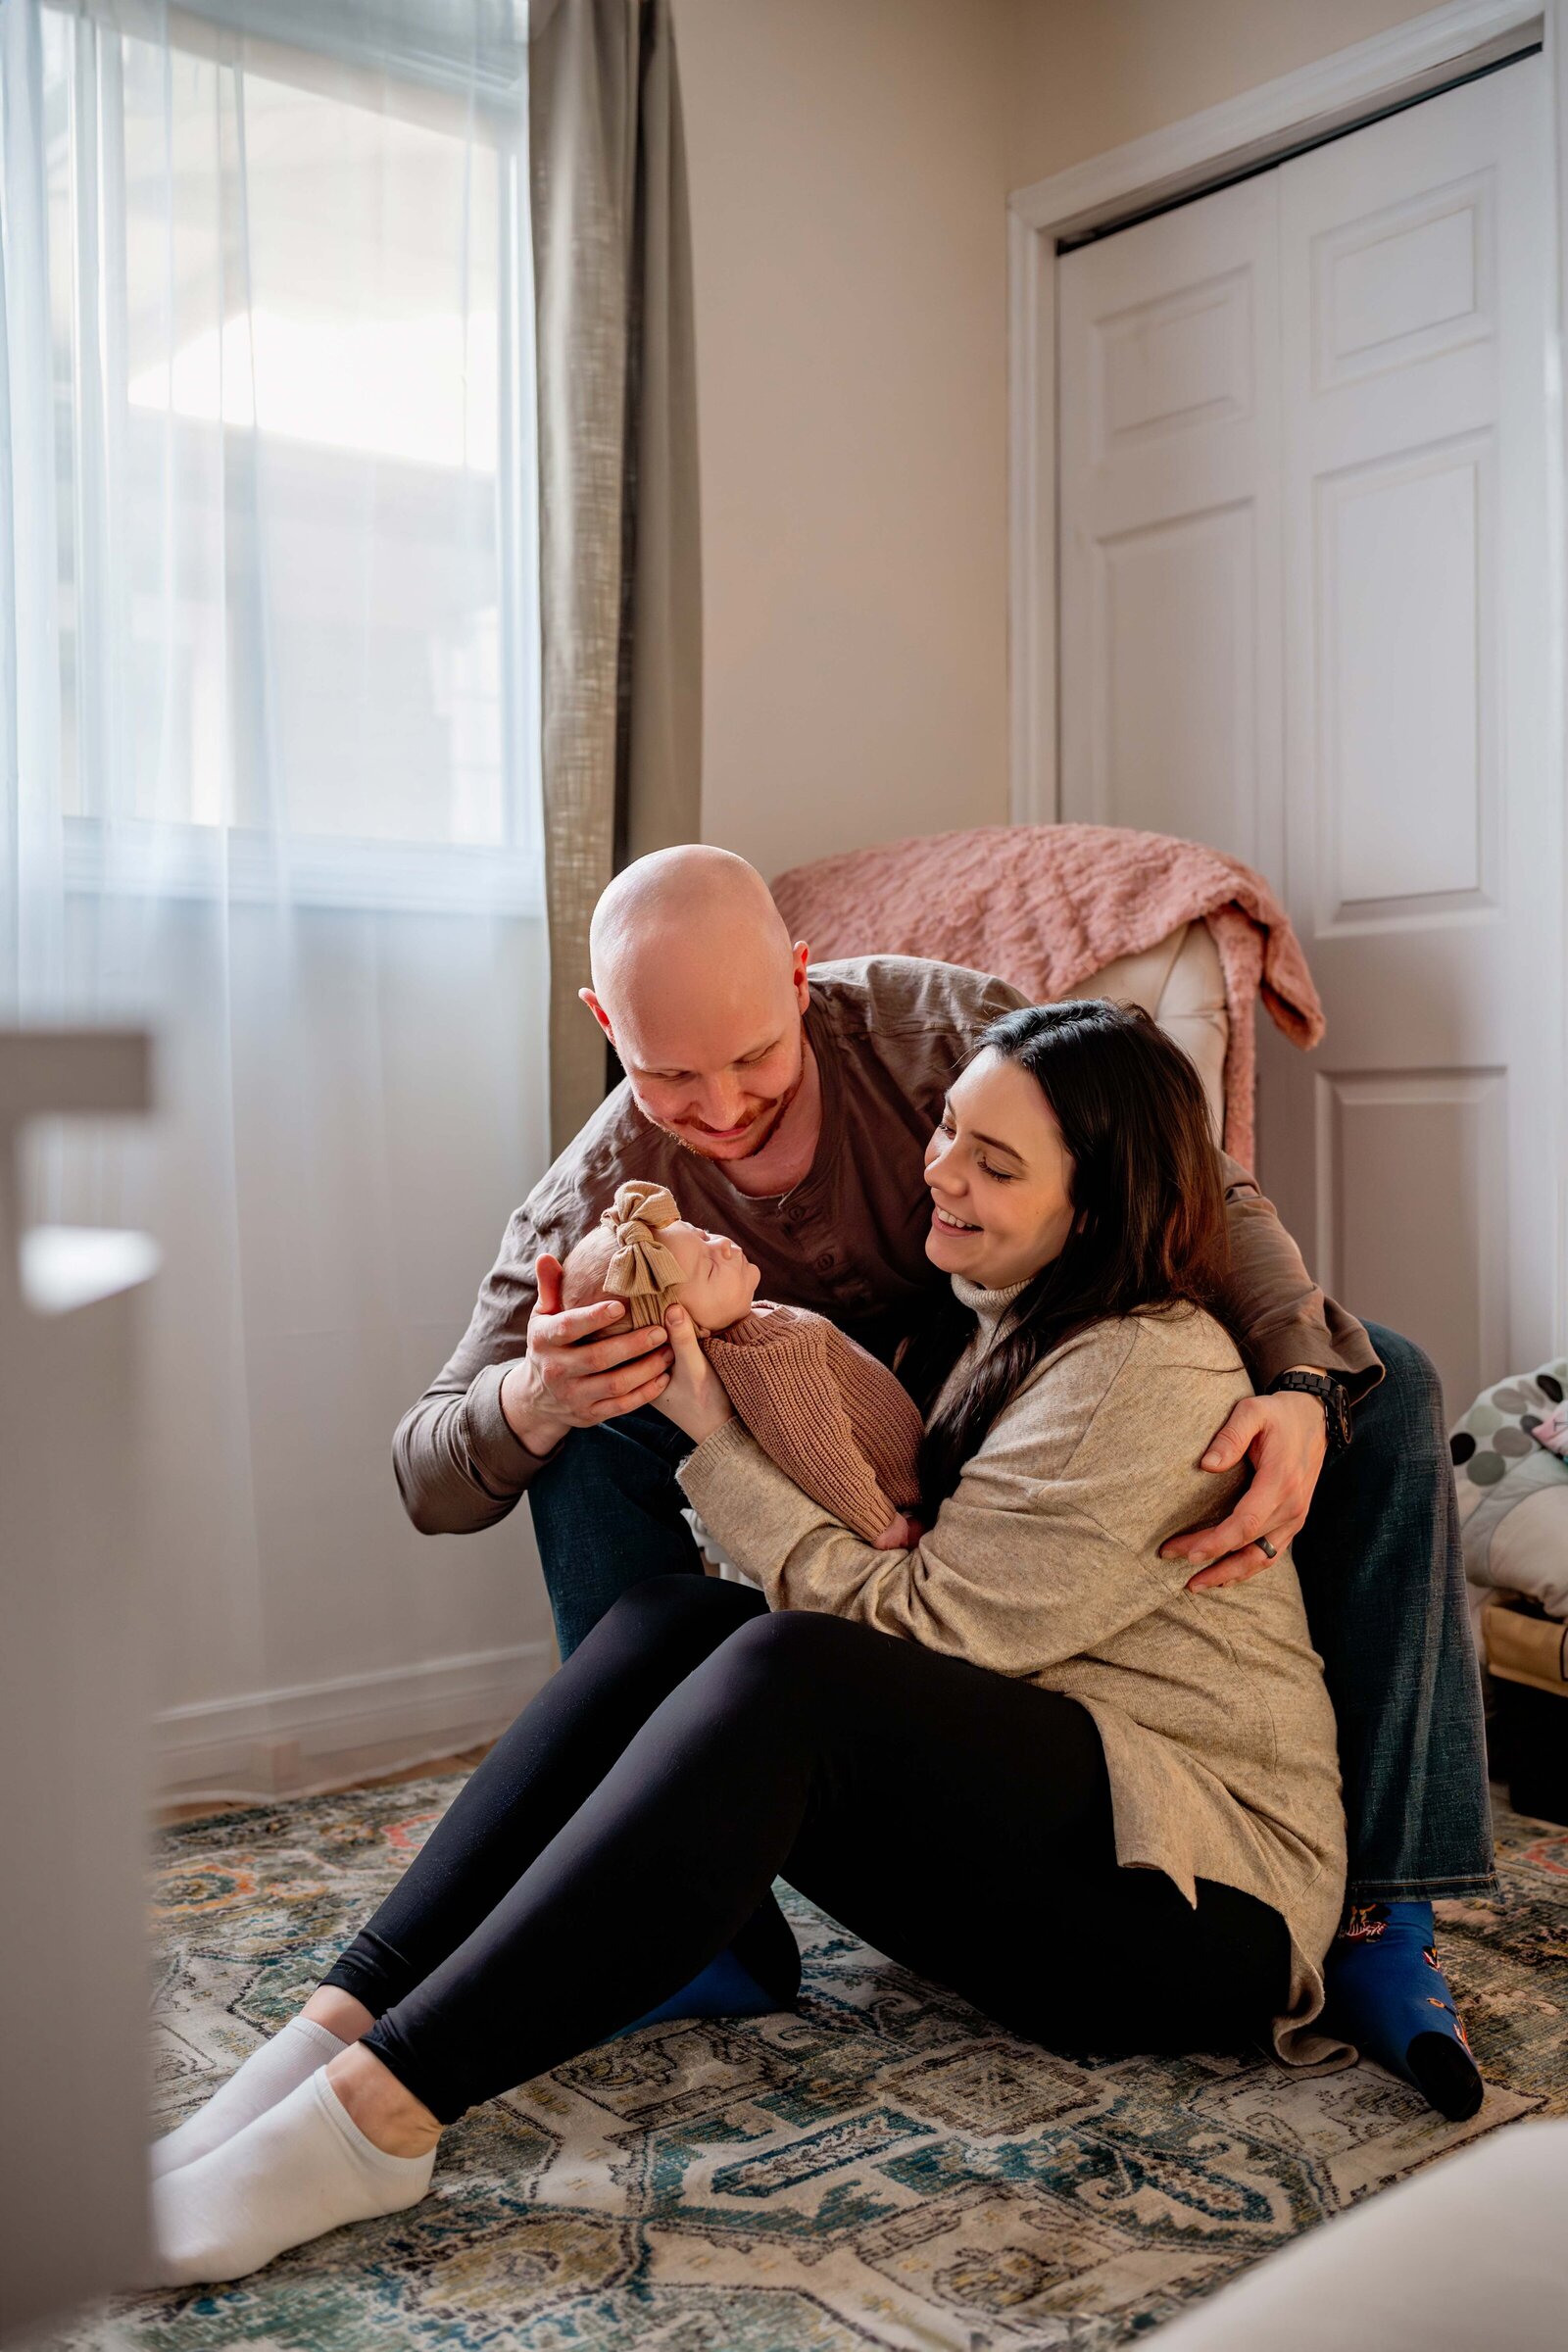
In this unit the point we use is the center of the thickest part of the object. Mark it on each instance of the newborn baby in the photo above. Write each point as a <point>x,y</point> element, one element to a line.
<point>840,1424</point>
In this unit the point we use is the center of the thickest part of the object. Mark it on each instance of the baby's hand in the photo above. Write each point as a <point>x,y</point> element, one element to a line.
<point>902,1534</point>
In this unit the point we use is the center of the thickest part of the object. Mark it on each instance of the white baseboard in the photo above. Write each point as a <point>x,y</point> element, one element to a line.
<point>298,1740</point>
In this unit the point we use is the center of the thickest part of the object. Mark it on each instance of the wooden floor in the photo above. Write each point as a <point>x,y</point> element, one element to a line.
<point>166,1815</point>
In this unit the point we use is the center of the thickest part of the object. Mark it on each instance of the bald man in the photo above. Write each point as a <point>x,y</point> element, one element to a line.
<point>789,1105</point>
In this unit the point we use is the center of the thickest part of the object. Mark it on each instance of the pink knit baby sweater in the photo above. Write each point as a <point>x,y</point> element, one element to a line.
<point>837,1422</point>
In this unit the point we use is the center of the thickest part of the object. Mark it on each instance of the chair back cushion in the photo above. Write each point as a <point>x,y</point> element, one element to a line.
<point>1180,982</point>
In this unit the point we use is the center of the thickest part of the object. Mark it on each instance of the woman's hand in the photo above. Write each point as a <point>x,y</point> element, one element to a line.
<point>695,1398</point>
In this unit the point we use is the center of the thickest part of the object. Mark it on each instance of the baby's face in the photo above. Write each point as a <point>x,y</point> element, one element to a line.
<point>718,1281</point>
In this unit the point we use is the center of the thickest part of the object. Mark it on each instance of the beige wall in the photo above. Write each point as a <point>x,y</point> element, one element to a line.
<point>1087,75</point>
<point>848,196</point>
<point>850,162</point>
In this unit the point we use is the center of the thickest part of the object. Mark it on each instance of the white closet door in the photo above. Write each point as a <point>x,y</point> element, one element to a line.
<point>1304,594</point>
<point>1424,848</point>
<point>1169,505</point>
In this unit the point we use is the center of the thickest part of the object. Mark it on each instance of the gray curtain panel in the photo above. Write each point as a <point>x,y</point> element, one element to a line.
<point>620,580</point>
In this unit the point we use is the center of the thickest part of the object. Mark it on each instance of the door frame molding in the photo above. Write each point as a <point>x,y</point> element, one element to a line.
<point>1334,92</point>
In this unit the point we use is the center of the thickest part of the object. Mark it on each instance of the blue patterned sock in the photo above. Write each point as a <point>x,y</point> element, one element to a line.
<point>723,1989</point>
<point>757,1972</point>
<point>1387,1993</point>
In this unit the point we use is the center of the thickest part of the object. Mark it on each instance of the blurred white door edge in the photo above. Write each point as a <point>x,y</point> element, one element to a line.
<point>74,1735</point>
<point>1305,502</point>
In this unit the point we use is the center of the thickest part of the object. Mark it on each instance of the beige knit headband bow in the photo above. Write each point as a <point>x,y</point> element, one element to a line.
<point>643,1268</point>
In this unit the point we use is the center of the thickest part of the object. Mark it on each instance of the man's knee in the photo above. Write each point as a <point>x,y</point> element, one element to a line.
<point>569,1474</point>
<point>640,1446</point>
<point>1406,1410</point>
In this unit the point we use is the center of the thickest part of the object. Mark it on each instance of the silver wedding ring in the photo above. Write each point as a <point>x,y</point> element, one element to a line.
<point>1266,1549</point>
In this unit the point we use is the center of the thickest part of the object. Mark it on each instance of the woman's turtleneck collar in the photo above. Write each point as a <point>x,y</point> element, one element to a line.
<point>989,1309</point>
<point>987,1306</point>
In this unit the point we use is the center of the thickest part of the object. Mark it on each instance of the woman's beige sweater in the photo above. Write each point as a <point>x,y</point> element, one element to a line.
<point>1044,1563</point>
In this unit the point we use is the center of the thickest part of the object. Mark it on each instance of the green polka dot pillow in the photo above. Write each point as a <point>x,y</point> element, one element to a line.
<point>1509,1463</point>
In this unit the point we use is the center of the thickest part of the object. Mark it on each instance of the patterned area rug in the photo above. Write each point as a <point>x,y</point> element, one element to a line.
<point>884,2169</point>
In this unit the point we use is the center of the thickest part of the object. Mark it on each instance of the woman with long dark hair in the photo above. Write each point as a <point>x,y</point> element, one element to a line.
<point>1018,1756</point>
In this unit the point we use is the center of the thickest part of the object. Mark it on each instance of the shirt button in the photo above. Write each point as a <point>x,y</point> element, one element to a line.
<point>826,1262</point>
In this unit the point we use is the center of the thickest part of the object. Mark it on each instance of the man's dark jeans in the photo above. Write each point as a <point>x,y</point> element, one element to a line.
<point>1380,1566</point>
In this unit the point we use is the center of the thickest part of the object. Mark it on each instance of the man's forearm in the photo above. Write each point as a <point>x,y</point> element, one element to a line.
<point>459,1464</point>
<point>1281,1318</point>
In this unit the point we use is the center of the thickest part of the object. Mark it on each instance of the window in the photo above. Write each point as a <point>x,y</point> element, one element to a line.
<point>291,323</point>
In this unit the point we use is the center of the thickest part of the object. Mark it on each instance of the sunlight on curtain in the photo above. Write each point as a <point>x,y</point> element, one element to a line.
<point>270,783</point>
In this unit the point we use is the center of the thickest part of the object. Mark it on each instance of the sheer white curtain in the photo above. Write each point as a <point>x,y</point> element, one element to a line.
<point>268,663</point>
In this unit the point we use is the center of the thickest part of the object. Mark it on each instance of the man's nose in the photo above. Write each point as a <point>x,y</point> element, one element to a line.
<point>722,1105</point>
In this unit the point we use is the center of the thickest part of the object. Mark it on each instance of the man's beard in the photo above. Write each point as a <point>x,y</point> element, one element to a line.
<point>767,1136</point>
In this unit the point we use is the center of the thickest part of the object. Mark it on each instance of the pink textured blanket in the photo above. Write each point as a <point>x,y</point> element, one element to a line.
<point>1045,905</point>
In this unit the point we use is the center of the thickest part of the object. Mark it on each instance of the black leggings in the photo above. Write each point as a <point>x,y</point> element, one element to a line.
<point>630,1824</point>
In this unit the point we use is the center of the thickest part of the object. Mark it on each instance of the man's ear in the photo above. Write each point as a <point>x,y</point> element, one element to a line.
<point>587,996</point>
<point>802,956</point>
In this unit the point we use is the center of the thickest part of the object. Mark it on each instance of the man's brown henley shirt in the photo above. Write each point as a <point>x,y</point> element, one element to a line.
<point>890,1033</point>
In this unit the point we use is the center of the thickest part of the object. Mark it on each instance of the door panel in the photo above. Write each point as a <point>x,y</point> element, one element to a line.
<point>1304,584</point>
<point>1413,459</point>
<point>1380,1138</point>
<point>1170,506</point>
<point>1405,682</point>
<point>1177,720</point>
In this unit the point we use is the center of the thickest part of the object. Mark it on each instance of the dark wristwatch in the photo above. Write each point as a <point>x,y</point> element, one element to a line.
<point>1330,1395</point>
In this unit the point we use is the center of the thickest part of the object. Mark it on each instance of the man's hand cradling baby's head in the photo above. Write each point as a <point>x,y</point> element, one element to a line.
<point>585,1363</point>
<point>607,1337</point>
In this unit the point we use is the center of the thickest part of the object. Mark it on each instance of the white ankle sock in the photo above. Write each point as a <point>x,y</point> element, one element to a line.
<point>267,2075</point>
<point>303,2167</point>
